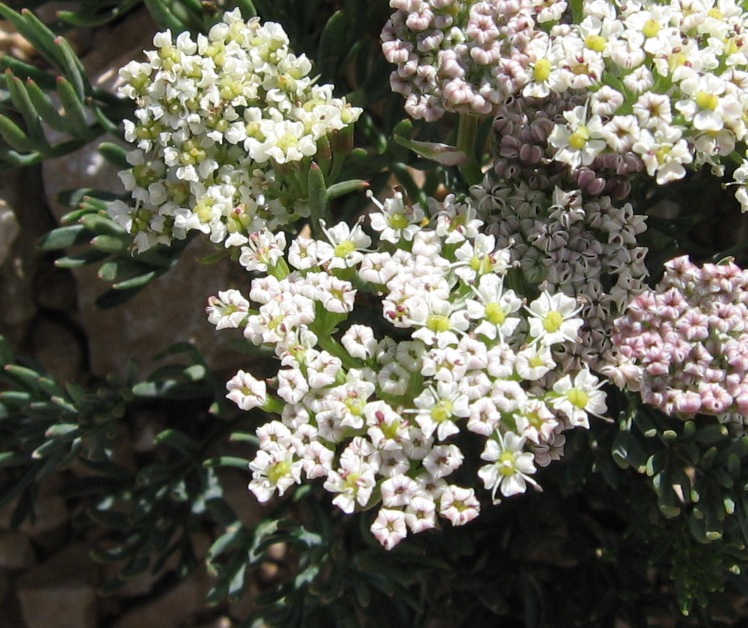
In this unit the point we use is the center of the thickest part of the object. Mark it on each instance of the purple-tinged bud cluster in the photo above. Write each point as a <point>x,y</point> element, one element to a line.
<point>586,249</point>
<point>522,127</point>
<point>464,57</point>
<point>684,345</point>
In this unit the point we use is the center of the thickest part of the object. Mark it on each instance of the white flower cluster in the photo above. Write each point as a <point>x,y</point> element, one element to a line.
<point>222,128</point>
<point>667,80</point>
<point>586,249</point>
<point>379,411</point>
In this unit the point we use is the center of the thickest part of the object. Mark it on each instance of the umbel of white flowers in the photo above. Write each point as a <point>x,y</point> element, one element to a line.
<point>224,132</point>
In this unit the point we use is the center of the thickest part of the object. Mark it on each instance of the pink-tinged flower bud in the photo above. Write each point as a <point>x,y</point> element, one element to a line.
<point>688,402</point>
<point>741,401</point>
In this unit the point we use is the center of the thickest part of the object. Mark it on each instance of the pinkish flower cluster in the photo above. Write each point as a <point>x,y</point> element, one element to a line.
<point>684,345</point>
<point>464,57</point>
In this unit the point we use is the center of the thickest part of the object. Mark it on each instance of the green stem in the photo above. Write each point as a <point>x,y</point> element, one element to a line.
<point>329,344</point>
<point>467,133</point>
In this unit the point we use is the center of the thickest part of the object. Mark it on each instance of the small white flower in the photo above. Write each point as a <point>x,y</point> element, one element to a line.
<point>442,460</point>
<point>458,505</point>
<point>228,310</point>
<point>274,470</point>
<point>246,391</point>
<point>346,245</point>
<point>554,318</point>
<point>580,397</point>
<point>359,341</point>
<point>389,527</point>
<point>511,468</point>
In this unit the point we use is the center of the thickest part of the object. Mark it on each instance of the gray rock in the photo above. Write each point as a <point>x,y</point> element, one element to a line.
<point>16,551</point>
<point>60,592</point>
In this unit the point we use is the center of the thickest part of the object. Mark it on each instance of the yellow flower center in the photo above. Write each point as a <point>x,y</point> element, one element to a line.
<point>705,100</point>
<point>495,313</point>
<point>438,322</point>
<point>553,321</point>
<point>542,70</point>
<point>507,463</point>
<point>578,139</point>
<point>398,221</point>
<point>278,470</point>
<point>442,411</point>
<point>651,28</point>
<point>578,398</point>
<point>345,248</point>
<point>595,42</point>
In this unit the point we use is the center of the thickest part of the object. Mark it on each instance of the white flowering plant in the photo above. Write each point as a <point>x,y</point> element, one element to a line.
<point>487,285</point>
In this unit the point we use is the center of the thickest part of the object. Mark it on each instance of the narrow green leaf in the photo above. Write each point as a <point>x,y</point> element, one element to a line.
<point>73,68</point>
<point>46,449</point>
<point>92,18</point>
<point>114,154</point>
<point>38,35</point>
<point>346,187</point>
<point>102,225</point>
<point>74,111</point>
<point>247,8</point>
<point>26,71</point>
<point>45,107</point>
<point>81,259</point>
<point>14,135</point>
<point>64,237</point>
<point>64,431</point>
<point>26,377</point>
<point>177,440</point>
<point>21,100</point>
<point>443,154</point>
<point>163,16</point>
<point>110,244</point>
<point>137,282</point>
<point>15,398</point>
<point>227,461</point>
<point>333,44</point>
<point>317,192</point>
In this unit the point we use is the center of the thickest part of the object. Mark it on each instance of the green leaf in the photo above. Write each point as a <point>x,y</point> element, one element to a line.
<point>227,461</point>
<point>317,191</point>
<point>38,35</point>
<point>21,100</point>
<point>114,154</point>
<point>64,431</point>
<point>333,45</point>
<point>81,259</point>
<point>64,237</point>
<point>177,440</point>
<point>247,8</point>
<point>346,187</point>
<point>74,110</point>
<point>111,244</point>
<point>103,225</point>
<point>73,68</point>
<point>25,71</point>
<point>14,135</point>
<point>44,106</point>
<point>90,17</point>
<point>137,282</point>
<point>443,154</point>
